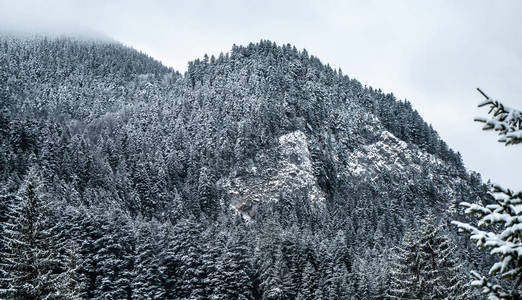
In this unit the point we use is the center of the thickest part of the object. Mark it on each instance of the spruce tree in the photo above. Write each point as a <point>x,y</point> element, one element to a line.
<point>425,266</point>
<point>236,271</point>
<point>498,227</point>
<point>112,261</point>
<point>308,283</point>
<point>6,200</point>
<point>183,262</point>
<point>406,269</point>
<point>271,281</point>
<point>70,286</point>
<point>28,261</point>
<point>146,275</point>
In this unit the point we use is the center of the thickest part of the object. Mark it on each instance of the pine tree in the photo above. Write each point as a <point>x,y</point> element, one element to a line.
<point>212,263</point>
<point>84,229</point>
<point>271,281</point>
<point>146,275</point>
<point>28,261</point>
<point>235,270</point>
<point>184,267</point>
<point>6,201</point>
<point>112,262</point>
<point>406,273</point>
<point>499,223</point>
<point>425,267</point>
<point>205,192</point>
<point>69,284</point>
<point>308,283</point>
<point>168,264</point>
<point>506,121</point>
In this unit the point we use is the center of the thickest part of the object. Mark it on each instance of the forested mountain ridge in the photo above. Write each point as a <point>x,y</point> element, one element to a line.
<point>262,163</point>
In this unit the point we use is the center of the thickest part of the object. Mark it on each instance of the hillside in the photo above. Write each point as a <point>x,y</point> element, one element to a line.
<point>261,173</point>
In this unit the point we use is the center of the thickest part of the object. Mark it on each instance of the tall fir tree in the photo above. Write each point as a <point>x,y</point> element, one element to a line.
<point>28,261</point>
<point>146,276</point>
<point>69,285</point>
<point>113,265</point>
<point>308,283</point>
<point>425,266</point>
<point>235,271</point>
<point>498,221</point>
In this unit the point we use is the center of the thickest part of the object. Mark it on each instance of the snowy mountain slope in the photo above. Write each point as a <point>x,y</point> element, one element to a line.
<point>329,173</point>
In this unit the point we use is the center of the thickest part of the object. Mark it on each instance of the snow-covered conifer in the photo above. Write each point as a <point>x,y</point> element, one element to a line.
<point>28,261</point>
<point>69,285</point>
<point>146,275</point>
<point>506,120</point>
<point>308,283</point>
<point>425,266</point>
<point>499,226</point>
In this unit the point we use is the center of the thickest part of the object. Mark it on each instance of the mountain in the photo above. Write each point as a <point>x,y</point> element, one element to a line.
<point>261,173</point>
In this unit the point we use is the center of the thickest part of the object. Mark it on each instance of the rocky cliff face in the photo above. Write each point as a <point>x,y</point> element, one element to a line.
<point>397,165</point>
<point>286,168</point>
<point>386,161</point>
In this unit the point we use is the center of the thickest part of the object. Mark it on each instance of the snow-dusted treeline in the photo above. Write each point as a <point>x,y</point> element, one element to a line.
<point>120,177</point>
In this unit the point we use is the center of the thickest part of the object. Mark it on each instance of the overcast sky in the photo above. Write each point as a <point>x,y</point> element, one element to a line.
<point>432,53</point>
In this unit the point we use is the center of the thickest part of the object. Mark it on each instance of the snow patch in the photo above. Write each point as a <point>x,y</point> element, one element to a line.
<point>285,169</point>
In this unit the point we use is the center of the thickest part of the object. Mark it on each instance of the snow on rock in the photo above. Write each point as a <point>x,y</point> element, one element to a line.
<point>389,153</point>
<point>404,163</point>
<point>296,165</point>
<point>287,169</point>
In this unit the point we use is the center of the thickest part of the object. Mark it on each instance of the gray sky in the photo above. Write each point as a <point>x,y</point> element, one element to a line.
<point>432,53</point>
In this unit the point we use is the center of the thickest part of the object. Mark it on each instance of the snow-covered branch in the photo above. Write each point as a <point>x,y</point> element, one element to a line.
<point>493,291</point>
<point>506,244</point>
<point>506,120</point>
